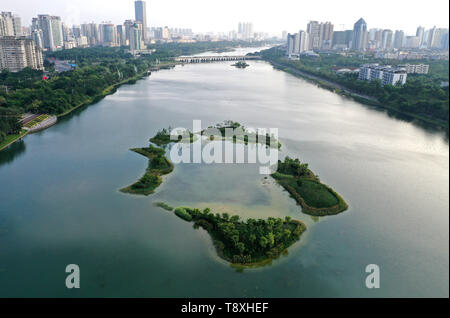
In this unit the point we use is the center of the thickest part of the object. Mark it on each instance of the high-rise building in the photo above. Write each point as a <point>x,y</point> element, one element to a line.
<point>45,24</point>
<point>420,34</point>
<point>136,43</point>
<point>19,52</point>
<point>245,30</point>
<point>140,10</point>
<point>359,35</point>
<point>108,34</point>
<point>342,39</point>
<point>399,38</point>
<point>128,24</point>
<point>412,42</point>
<point>10,25</point>
<point>290,44</point>
<point>313,29</point>
<point>297,43</point>
<point>58,38</point>
<point>326,35</point>
<point>52,31</point>
<point>386,42</point>
<point>92,33</point>
<point>37,36</point>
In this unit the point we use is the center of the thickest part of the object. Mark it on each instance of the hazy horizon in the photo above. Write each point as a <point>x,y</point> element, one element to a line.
<point>267,16</point>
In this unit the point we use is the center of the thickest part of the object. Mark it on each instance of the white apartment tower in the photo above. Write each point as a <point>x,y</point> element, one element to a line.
<point>17,53</point>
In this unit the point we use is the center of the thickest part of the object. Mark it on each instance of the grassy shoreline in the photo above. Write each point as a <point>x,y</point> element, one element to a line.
<point>158,166</point>
<point>315,197</point>
<point>112,88</point>
<point>336,88</point>
<point>10,139</point>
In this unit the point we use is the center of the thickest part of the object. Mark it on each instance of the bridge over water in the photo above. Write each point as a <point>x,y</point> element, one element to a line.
<point>216,58</point>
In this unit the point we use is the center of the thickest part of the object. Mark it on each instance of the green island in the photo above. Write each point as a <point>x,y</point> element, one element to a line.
<point>315,198</point>
<point>244,135</point>
<point>240,64</point>
<point>158,165</point>
<point>250,243</point>
<point>244,243</point>
<point>162,137</point>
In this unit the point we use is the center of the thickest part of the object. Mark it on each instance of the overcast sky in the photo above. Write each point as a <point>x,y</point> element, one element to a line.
<point>271,16</point>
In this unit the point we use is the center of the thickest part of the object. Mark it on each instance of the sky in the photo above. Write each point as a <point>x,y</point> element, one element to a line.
<point>272,16</point>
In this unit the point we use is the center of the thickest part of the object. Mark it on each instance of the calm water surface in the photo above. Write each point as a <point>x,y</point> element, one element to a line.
<point>59,199</point>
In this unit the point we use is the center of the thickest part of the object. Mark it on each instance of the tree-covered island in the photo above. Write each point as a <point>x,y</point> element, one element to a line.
<point>240,64</point>
<point>251,242</point>
<point>243,243</point>
<point>240,134</point>
<point>305,187</point>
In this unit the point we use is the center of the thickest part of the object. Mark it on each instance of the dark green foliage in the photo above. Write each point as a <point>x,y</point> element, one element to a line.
<point>158,165</point>
<point>9,122</point>
<point>315,197</point>
<point>164,206</point>
<point>245,241</point>
<point>293,167</point>
<point>182,213</point>
<point>162,137</point>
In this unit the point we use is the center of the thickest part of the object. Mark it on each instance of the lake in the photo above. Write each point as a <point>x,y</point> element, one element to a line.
<point>60,204</point>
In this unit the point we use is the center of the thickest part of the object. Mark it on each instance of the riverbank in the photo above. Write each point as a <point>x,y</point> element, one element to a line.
<point>107,91</point>
<point>10,139</point>
<point>361,98</point>
<point>112,88</point>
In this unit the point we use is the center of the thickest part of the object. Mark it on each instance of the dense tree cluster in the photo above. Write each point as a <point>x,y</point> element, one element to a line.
<point>293,167</point>
<point>421,95</point>
<point>245,241</point>
<point>9,122</point>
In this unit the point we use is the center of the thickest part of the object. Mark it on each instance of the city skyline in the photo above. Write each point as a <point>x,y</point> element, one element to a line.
<point>264,18</point>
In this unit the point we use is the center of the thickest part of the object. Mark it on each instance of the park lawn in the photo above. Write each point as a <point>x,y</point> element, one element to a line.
<point>315,197</point>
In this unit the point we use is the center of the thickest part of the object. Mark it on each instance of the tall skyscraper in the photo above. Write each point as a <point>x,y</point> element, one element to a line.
<point>313,29</point>
<point>359,35</point>
<point>420,34</point>
<point>140,10</point>
<point>326,35</point>
<point>399,38</point>
<point>245,30</point>
<point>10,25</point>
<point>45,24</point>
<point>136,42</point>
<point>386,42</point>
<point>52,31</point>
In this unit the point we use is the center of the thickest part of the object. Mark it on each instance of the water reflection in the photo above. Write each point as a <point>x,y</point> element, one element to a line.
<point>12,152</point>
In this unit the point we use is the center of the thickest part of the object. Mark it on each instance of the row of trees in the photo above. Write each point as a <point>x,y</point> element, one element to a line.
<point>421,95</point>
